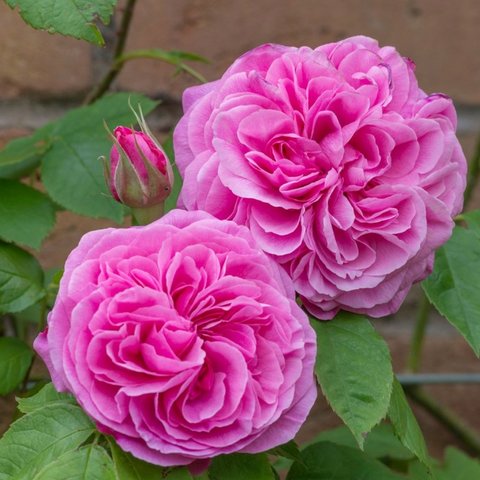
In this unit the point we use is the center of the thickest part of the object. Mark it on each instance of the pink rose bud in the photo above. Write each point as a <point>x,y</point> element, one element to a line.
<point>138,173</point>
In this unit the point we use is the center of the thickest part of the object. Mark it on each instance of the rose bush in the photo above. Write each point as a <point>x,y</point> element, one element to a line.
<point>343,169</point>
<point>181,339</point>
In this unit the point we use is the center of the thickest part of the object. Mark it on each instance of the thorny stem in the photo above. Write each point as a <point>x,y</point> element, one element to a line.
<point>116,67</point>
<point>124,27</point>
<point>448,418</point>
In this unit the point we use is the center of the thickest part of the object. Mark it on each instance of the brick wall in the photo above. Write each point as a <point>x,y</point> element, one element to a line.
<point>441,36</point>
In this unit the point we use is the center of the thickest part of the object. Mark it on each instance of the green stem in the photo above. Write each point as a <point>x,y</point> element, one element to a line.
<point>26,378</point>
<point>116,67</point>
<point>448,418</point>
<point>41,327</point>
<point>413,362</point>
<point>43,314</point>
<point>159,55</point>
<point>144,216</point>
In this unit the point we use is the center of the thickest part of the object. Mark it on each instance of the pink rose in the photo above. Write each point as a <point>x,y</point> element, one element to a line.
<point>182,340</point>
<point>342,168</point>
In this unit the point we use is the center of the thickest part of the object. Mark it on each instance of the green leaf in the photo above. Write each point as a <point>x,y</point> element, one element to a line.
<point>202,476</point>
<point>453,285</point>
<point>472,220</point>
<point>26,215</point>
<point>88,463</point>
<point>71,171</point>
<point>458,466</point>
<point>15,359</point>
<point>241,466</point>
<point>189,56</point>
<point>74,18</point>
<point>179,473</point>
<point>35,314</point>
<point>418,471</point>
<point>21,279</point>
<point>22,155</point>
<point>172,199</point>
<point>329,461</point>
<point>354,370</point>
<point>405,424</point>
<point>127,467</point>
<point>30,316</point>
<point>381,442</point>
<point>287,450</point>
<point>47,396</point>
<point>41,437</point>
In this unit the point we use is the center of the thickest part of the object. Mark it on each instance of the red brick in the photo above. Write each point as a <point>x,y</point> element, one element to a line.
<point>441,36</point>
<point>33,61</point>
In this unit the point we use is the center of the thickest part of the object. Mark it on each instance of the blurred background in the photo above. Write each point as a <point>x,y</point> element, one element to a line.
<point>39,72</point>
<point>42,76</point>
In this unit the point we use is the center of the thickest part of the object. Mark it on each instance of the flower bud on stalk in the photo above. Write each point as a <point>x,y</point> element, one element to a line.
<point>138,173</point>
